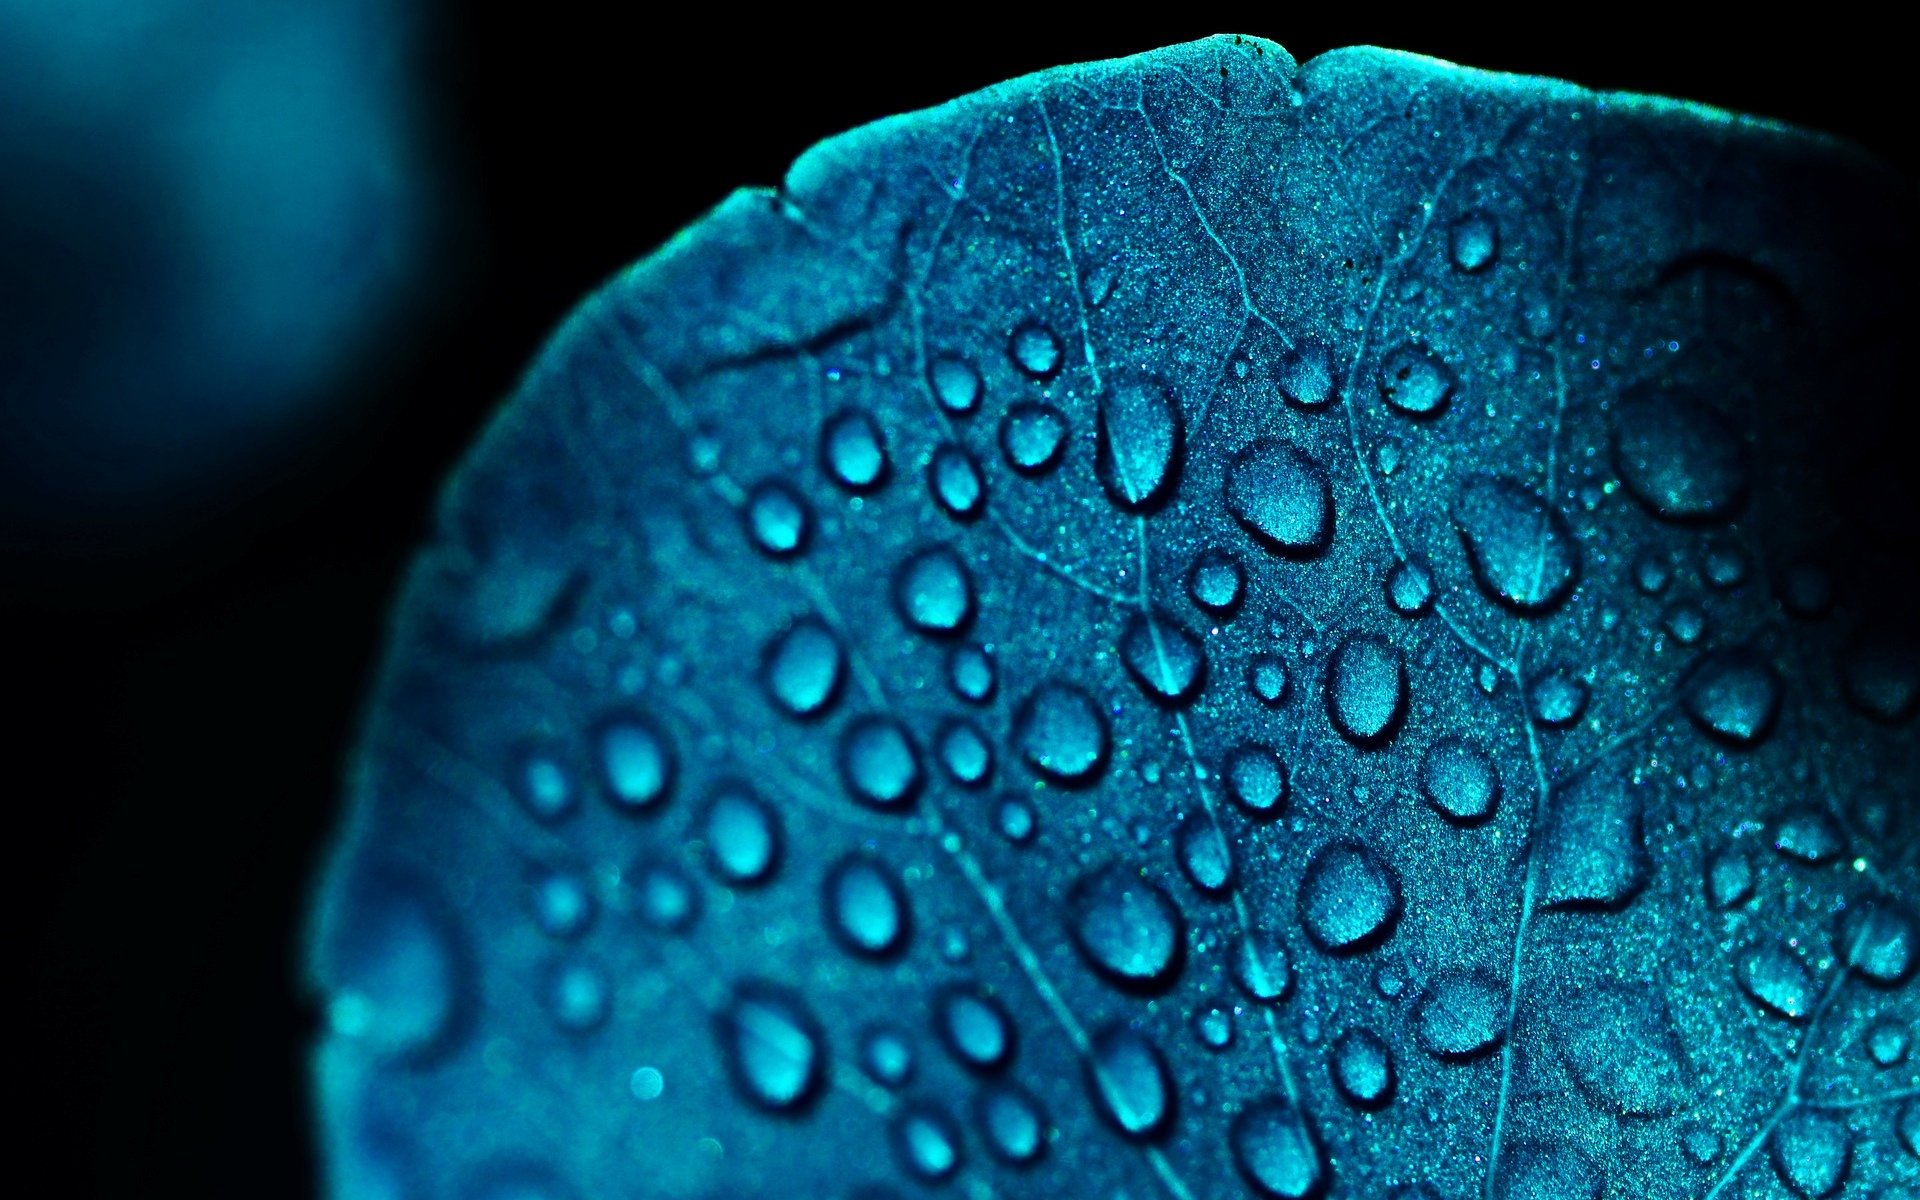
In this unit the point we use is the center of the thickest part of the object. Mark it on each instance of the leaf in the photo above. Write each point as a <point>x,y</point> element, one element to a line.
<point>1188,626</point>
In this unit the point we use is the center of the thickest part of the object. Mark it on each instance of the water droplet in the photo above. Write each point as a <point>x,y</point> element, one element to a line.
<point>562,905</point>
<point>1522,553</point>
<point>1349,899</point>
<point>1809,836</point>
<point>668,900</point>
<point>646,1083</point>
<point>974,1028</point>
<point>394,972</point>
<point>887,1056</point>
<point>1140,443</point>
<point>1723,565</point>
<point>1415,381</point>
<point>742,835</point>
<point>1128,1080</point>
<point>544,787</point>
<point>636,762</point>
<point>1556,697</point>
<point>853,451</point>
<point>1015,819</point>
<point>1410,587</point>
<point>579,997</point>
<point>1699,1142</point>
<point>956,483</point>
<point>970,672</point>
<point>1887,1042</point>
<point>1276,1151</point>
<point>1168,663</point>
<point>926,1142</point>
<point>1216,581</point>
<point>1257,781</point>
<point>1473,242</point>
<point>1061,734</point>
<point>1213,1024</point>
<point>1282,497</point>
<point>1734,696</point>
<point>1462,1015</point>
<point>778,519</point>
<point>1685,621</point>
<point>1261,967</point>
<point>866,907</point>
<point>773,1049</point>
<point>1033,437</point>
<point>1622,1049</point>
<point>803,668</point>
<point>956,385</point>
<point>1362,1068</point>
<point>1128,929</point>
<point>1459,779</point>
<point>1729,878</point>
<point>1679,457</point>
<point>1812,1153</point>
<point>1593,850</point>
<point>1881,672</point>
<point>933,592</point>
<point>879,764</point>
<point>1036,350</point>
<point>1011,1123</point>
<point>965,754</point>
<point>1651,574</point>
<point>1366,690</point>
<point>1876,939</point>
<point>1267,678</point>
<point>1775,978</point>
<point>1307,375</point>
<point>1204,854</point>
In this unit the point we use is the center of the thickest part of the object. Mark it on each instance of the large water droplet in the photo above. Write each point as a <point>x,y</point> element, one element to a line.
<point>1033,437</point>
<point>933,592</point>
<point>1522,553</point>
<point>956,385</point>
<point>636,762</point>
<point>1775,978</point>
<point>1257,781</point>
<point>1204,854</point>
<point>1128,1080</point>
<point>772,1048</point>
<point>1035,349</point>
<point>1734,696</point>
<point>742,835</point>
<point>1127,928</point>
<point>1362,1068</point>
<point>1282,497</point>
<point>1463,1014</point>
<point>1366,690</point>
<point>1139,453</point>
<point>1276,1151</point>
<point>1593,850</point>
<point>1168,663</point>
<point>803,668</point>
<point>1473,242</point>
<point>1349,898</point>
<point>1459,779</point>
<point>1622,1049</point>
<point>1011,1123</point>
<point>1812,1153</point>
<point>853,451</point>
<point>866,907</point>
<point>879,764</point>
<point>1678,457</point>
<point>778,519</point>
<point>926,1142</point>
<point>1061,734</point>
<point>1415,381</point>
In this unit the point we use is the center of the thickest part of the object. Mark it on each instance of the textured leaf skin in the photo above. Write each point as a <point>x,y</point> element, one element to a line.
<point>1318,415</point>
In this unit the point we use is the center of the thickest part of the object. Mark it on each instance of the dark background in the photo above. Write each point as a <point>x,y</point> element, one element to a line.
<point>179,698</point>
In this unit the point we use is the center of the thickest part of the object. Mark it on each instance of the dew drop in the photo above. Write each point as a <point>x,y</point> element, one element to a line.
<point>742,836</point>
<point>579,997</point>
<point>1410,588</point>
<point>1700,1143</point>
<point>1366,690</point>
<point>1685,621</point>
<point>636,763</point>
<point>1011,1124</point>
<point>1036,350</point>
<point>974,1028</point>
<point>1808,836</point>
<point>1168,663</point>
<point>803,668</point>
<point>1522,553</point>
<point>1876,939</point>
<point>1733,697</point>
<point>1282,497</point>
<point>1261,967</point>
<point>1593,849</point>
<point>1651,574</point>
<point>1267,679</point>
<point>1204,854</point>
<point>866,907</point>
<point>1556,697</point>
<point>965,754</point>
<point>853,452</point>
<point>1678,457</point>
<point>778,520</point>
<point>1723,565</point>
<point>1015,820</point>
<point>1033,437</point>
<point>1129,1082</point>
<point>955,481</point>
<point>1881,674</point>
<point>1349,899</point>
<point>886,1056</point>
<point>772,1048</point>
<point>1622,1049</point>
<point>544,787</point>
<point>1307,376</point>
<point>971,674</point>
<point>926,1142</point>
<point>1128,929</point>
<point>668,900</point>
<point>1461,1015</point>
<point>879,764</point>
<point>1362,1068</point>
<point>1473,243</point>
<point>1257,781</point>
<point>1415,381</point>
<point>1276,1151</point>
<point>1729,878</point>
<point>1459,780</point>
<point>1812,1153</point>
<point>1887,1042</point>
<point>562,905</point>
<point>1138,459</point>
<point>933,592</point>
<point>1216,581</point>
<point>1213,1025</point>
<point>1061,734</point>
<point>1773,977</point>
<point>956,385</point>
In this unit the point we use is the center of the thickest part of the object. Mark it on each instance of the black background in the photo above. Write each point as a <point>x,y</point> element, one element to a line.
<point>179,699</point>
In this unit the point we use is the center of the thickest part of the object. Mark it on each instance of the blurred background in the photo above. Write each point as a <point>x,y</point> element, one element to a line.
<point>265,268</point>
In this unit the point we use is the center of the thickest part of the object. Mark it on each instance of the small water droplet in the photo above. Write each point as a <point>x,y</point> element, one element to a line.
<point>1138,459</point>
<point>933,592</point>
<point>1678,457</point>
<point>1651,574</point>
<point>562,905</point>
<point>1216,581</point>
<point>668,900</point>
<point>1593,849</point>
<point>965,754</point>
<point>1775,979</point>
<point>956,385</point>
<point>1700,1143</point>
<point>926,1142</point>
<point>1035,350</point>
<point>1015,820</point>
<point>956,483</point>
<point>1622,1049</point>
<point>879,764</point>
<point>1462,1015</point>
<point>886,1056</point>
<point>1886,1042</point>
<point>1812,1152</point>
<point>1213,1025</point>
<point>1011,1123</point>
<point>1033,438</point>
<point>803,668</point>
<point>1409,588</point>
<point>1809,836</point>
<point>853,451</point>
<point>1282,497</point>
<point>1685,620</point>
<point>974,1028</point>
<point>1459,780</point>
<point>1276,1151</point>
<point>544,787</point>
<point>1349,898</point>
<point>866,907</point>
<point>1366,690</point>
<point>579,997</point>
<point>1061,734</point>
<point>1473,243</point>
<point>1362,1068</point>
<point>1267,679</point>
<point>1261,967</point>
<point>778,520</point>
<point>1729,877</point>
<point>1257,780</point>
<point>1169,663</point>
<point>742,836</point>
<point>1876,939</point>
<point>971,674</point>
<point>1415,381</point>
<point>636,762</point>
<point>1128,1080</point>
<point>1204,854</point>
<point>1307,375</point>
<point>1556,697</point>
